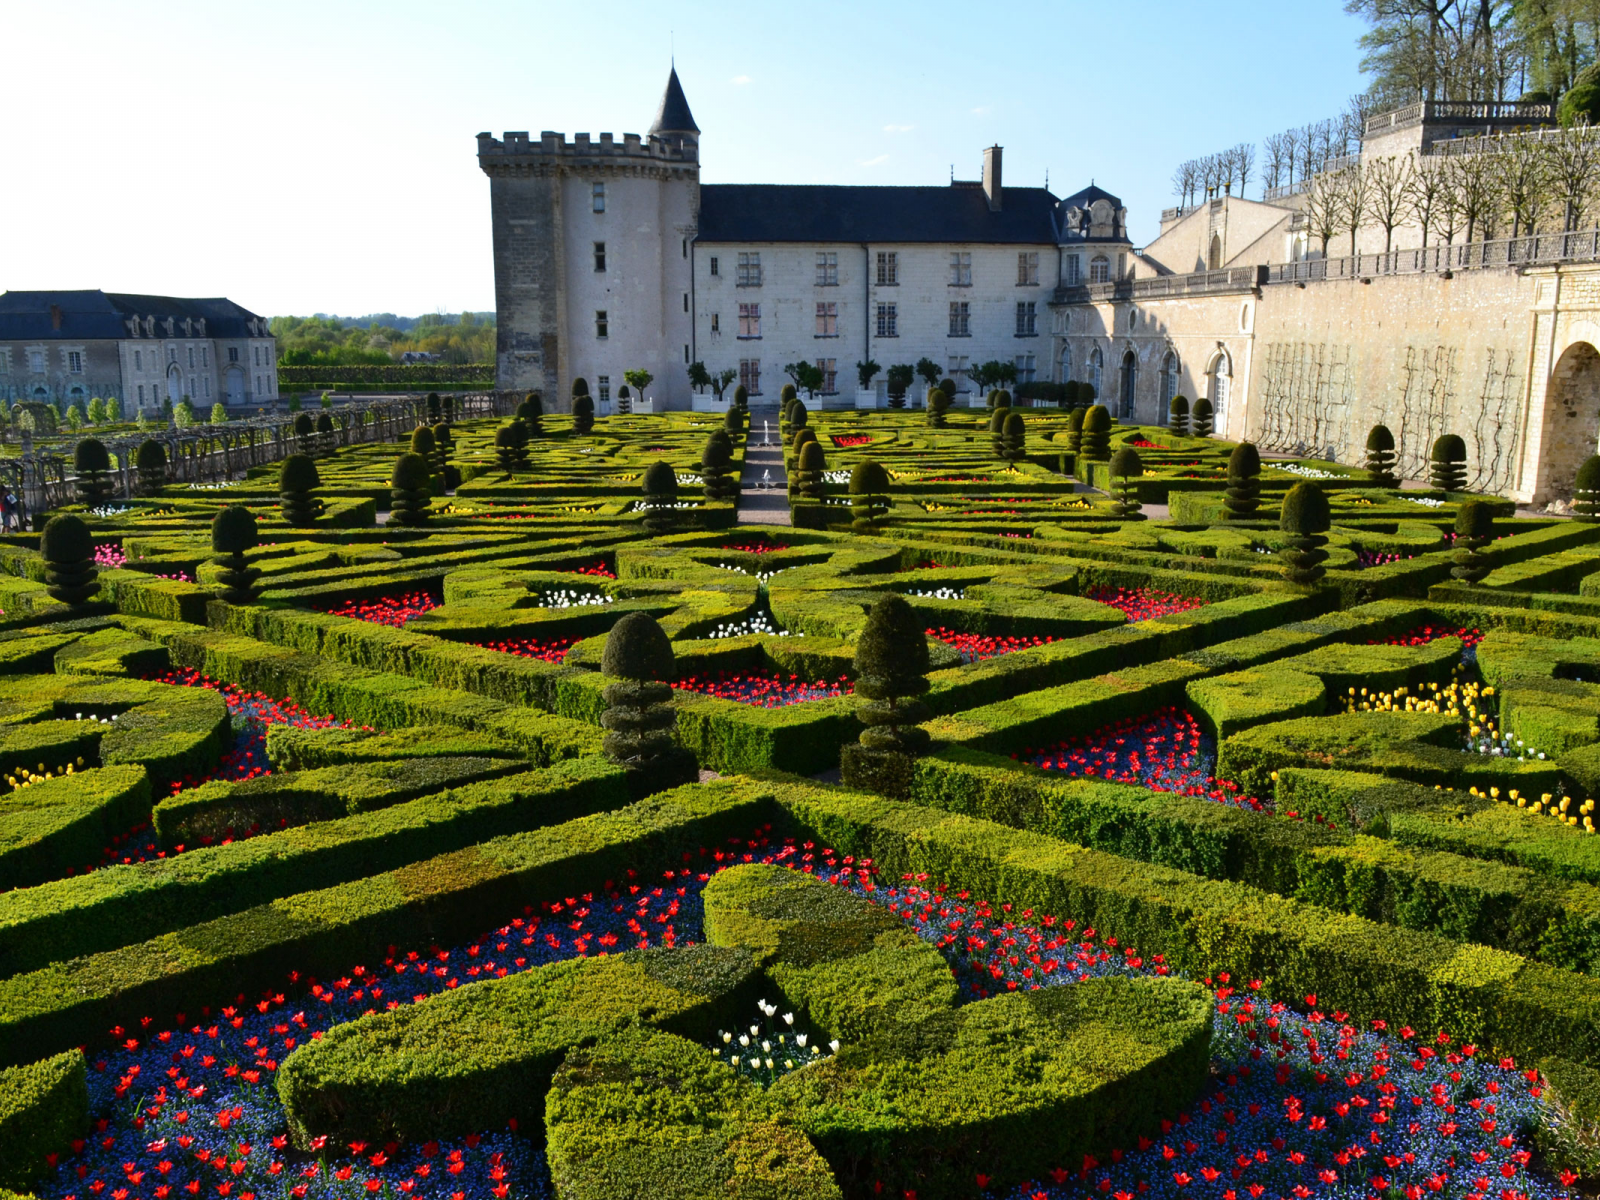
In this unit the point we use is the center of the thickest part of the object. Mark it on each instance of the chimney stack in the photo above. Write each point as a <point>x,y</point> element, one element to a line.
<point>991,177</point>
<point>55,317</point>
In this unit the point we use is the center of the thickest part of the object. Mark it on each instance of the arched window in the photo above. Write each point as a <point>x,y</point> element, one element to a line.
<point>1127,385</point>
<point>1169,386</point>
<point>1218,377</point>
<point>1100,269</point>
<point>1066,365</point>
<point>1214,255</point>
<point>1096,370</point>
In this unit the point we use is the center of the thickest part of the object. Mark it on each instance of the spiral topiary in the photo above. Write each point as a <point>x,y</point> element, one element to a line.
<point>1586,490</point>
<point>297,478</point>
<point>1075,429</point>
<point>1201,418</point>
<point>1447,468</point>
<point>150,460</point>
<point>1381,457</point>
<point>660,498</point>
<point>891,673</point>
<point>1305,518</point>
<point>869,495</point>
<point>1095,442</point>
<point>716,468</point>
<point>233,532</point>
<point>813,463</point>
<point>625,400</point>
<point>93,464</point>
<point>582,415</point>
<point>305,433</point>
<point>67,547</point>
<point>1126,466</point>
<point>410,490</point>
<point>1243,495</point>
<point>1178,415</point>
<point>1474,532</point>
<point>938,406</point>
<point>531,413</point>
<point>639,719</point>
<point>1014,438</point>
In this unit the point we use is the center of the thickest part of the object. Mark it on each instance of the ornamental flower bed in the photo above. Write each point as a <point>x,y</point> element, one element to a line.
<point>1144,604</point>
<point>975,647</point>
<point>764,689</point>
<point>550,650</point>
<point>598,569</point>
<point>758,547</point>
<point>394,611</point>
<point>852,439</point>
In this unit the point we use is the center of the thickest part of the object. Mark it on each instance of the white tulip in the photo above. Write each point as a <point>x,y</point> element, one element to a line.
<point>834,1045</point>
<point>726,1038</point>
<point>769,1064</point>
<point>743,1040</point>
<point>788,1018</point>
<point>800,1040</point>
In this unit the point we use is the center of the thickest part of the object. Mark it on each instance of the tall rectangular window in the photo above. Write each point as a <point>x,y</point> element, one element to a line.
<point>599,256</point>
<point>827,268</point>
<point>714,271</point>
<point>191,358</point>
<point>138,360</point>
<point>827,319</point>
<point>36,361</point>
<point>604,384</point>
<point>888,320</point>
<point>1099,269</point>
<point>888,268</point>
<point>716,322</point>
<point>750,375</point>
<point>141,394</point>
<point>1027,368</point>
<point>205,357</point>
<point>749,270</point>
<point>749,320</point>
<point>598,192</point>
<point>1027,268</point>
<point>75,361</point>
<point>1027,318</point>
<point>960,269</point>
<point>830,375</point>
<point>1074,270</point>
<point>960,318</point>
<point>602,325</point>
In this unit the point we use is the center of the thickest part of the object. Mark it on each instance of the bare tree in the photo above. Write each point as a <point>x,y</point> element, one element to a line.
<point>1388,188</point>
<point>1227,171</point>
<point>1272,161</point>
<point>1426,193</point>
<point>1574,171</point>
<point>1324,208</point>
<point>1523,175</point>
<point>1352,192</point>
<point>1210,174</point>
<point>1244,163</point>
<point>1474,190</point>
<point>1292,139</point>
<point>1181,178</point>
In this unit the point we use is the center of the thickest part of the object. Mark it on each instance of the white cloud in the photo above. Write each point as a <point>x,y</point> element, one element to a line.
<point>740,79</point>
<point>898,128</point>
<point>982,110</point>
<point>873,162</point>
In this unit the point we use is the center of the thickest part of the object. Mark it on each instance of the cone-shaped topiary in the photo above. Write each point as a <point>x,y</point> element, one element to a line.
<point>410,491</point>
<point>1095,442</point>
<point>1381,457</point>
<point>435,409</point>
<point>1474,532</point>
<point>639,719</point>
<point>1075,429</point>
<point>869,495</point>
<point>305,433</point>
<point>938,406</point>
<point>1243,495</point>
<point>741,398</point>
<point>1178,415</point>
<point>716,467</point>
<point>531,413</point>
<point>150,460</point>
<point>1586,490</point>
<point>801,438</point>
<point>1201,418</point>
<point>582,415</point>
<point>660,498</point>
<point>733,422</point>
<point>812,465</point>
<point>1448,466</point>
<point>992,400</point>
<point>297,477</point>
<point>1014,438</point>
<point>93,465</point>
<point>67,547</point>
<point>233,532</point>
<point>1305,518</point>
<point>1126,468</point>
<point>891,672</point>
<point>798,415</point>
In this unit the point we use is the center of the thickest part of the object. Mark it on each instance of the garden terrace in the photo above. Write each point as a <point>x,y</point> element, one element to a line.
<point>342,893</point>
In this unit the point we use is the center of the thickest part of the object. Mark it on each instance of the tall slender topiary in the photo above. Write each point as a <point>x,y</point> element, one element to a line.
<point>1474,532</point>
<point>938,406</point>
<point>448,408</point>
<point>1126,467</point>
<point>1586,490</point>
<point>93,464</point>
<point>305,434</point>
<point>891,673</point>
<point>639,719</point>
<point>410,490</point>
<point>531,413</point>
<point>741,398</point>
<point>582,415</point>
<point>297,478</point>
<point>799,416</point>
<point>1014,438</point>
<point>435,408</point>
<point>1075,429</point>
<point>1305,518</point>
<point>1201,418</point>
<point>325,433</point>
<point>1095,443</point>
<point>716,468</point>
<point>67,547</point>
<point>150,460</point>
<point>869,495</point>
<point>233,532</point>
<point>1243,495</point>
<point>813,464</point>
<point>505,445</point>
<point>625,400</point>
<point>1178,415</point>
<point>1381,457</point>
<point>1447,468</point>
<point>660,498</point>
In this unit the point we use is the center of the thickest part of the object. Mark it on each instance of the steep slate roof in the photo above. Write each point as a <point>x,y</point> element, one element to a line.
<point>90,315</point>
<point>1088,196</point>
<point>780,212</point>
<point>674,116</point>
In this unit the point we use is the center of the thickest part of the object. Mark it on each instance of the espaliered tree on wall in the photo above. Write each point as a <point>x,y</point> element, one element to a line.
<point>1447,465</point>
<point>297,479</point>
<point>869,496</point>
<point>891,674</point>
<point>150,461</point>
<point>1474,531</point>
<point>1243,495</point>
<point>67,548</point>
<point>1305,519</point>
<point>1381,457</point>
<point>233,534</point>
<point>639,719</point>
<point>1095,442</point>
<point>716,467</point>
<point>93,465</point>
<point>660,498</point>
<point>1178,415</point>
<point>1586,490</point>
<point>1201,418</point>
<point>410,490</point>
<point>1126,469</point>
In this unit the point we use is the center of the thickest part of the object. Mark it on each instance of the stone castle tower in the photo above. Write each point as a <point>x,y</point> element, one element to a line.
<point>592,255</point>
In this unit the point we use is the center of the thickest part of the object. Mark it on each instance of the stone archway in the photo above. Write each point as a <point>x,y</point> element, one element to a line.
<point>1571,421</point>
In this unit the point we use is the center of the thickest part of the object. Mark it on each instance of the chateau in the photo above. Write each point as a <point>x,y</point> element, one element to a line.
<point>611,256</point>
<point>67,347</point>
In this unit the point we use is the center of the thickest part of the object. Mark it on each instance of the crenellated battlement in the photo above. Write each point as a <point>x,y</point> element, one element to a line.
<point>552,148</point>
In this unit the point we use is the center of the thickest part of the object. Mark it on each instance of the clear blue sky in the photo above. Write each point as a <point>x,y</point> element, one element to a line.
<point>304,157</point>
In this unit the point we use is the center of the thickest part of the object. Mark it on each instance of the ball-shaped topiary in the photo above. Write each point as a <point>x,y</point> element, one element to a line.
<point>1586,490</point>
<point>1201,418</point>
<point>947,386</point>
<point>410,490</point>
<point>1178,415</point>
<point>92,462</point>
<point>1243,495</point>
<point>869,495</point>
<point>67,548</point>
<point>938,406</point>
<point>582,414</point>
<point>297,479</point>
<point>716,468</point>
<point>423,444</point>
<point>1126,467</point>
<point>639,719</point>
<point>1474,531</point>
<point>813,464</point>
<point>891,673</point>
<point>233,533</point>
<point>531,413</point>
<point>150,460</point>
<point>1075,429</point>
<point>1095,442</point>
<point>1381,457</point>
<point>660,498</point>
<point>1447,466</point>
<point>1305,518</point>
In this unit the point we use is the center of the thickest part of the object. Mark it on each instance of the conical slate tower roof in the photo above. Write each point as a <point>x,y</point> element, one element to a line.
<point>674,116</point>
